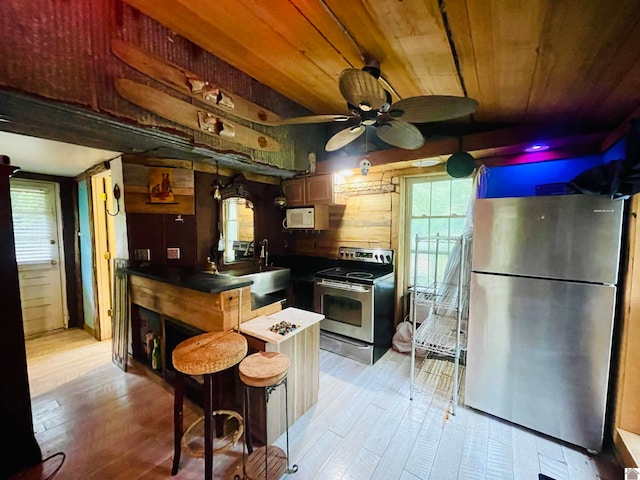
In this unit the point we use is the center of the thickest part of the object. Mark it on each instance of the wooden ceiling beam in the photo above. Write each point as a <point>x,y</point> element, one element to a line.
<point>509,141</point>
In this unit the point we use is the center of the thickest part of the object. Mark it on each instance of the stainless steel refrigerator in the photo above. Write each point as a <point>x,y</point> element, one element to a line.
<point>543,294</point>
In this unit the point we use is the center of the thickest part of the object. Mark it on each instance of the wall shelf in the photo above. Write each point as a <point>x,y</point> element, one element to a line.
<point>364,188</point>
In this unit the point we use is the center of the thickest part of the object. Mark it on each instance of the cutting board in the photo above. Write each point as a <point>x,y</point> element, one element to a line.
<point>259,326</point>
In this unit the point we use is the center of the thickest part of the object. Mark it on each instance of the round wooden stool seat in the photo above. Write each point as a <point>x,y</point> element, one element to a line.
<point>209,353</point>
<point>263,369</point>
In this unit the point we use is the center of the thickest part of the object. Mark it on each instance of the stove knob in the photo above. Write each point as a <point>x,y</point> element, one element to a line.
<point>389,258</point>
<point>376,257</point>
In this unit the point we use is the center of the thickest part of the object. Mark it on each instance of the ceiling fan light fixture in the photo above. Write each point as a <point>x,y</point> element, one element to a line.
<point>426,162</point>
<point>393,122</point>
<point>460,164</point>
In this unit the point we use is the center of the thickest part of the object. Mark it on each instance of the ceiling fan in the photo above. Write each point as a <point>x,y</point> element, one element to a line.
<point>371,104</point>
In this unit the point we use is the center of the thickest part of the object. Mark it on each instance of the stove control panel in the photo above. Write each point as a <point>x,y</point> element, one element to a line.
<point>370,255</point>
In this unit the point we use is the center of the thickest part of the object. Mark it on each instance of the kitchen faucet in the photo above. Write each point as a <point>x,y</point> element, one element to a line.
<point>264,253</point>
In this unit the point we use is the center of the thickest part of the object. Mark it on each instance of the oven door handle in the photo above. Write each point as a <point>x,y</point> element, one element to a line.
<point>344,287</point>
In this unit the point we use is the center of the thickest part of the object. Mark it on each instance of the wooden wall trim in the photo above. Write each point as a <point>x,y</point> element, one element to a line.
<point>627,412</point>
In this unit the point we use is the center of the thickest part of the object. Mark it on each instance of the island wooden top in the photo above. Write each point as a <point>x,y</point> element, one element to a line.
<point>259,326</point>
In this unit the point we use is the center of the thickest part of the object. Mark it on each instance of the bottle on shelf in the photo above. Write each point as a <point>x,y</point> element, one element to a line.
<point>156,355</point>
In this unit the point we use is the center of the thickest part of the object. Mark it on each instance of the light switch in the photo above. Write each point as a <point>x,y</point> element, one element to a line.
<point>173,253</point>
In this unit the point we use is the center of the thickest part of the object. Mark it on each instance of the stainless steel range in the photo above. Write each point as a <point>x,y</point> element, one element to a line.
<point>357,299</point>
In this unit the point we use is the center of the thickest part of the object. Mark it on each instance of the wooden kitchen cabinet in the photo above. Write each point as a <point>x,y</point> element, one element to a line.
<point>312,190</point>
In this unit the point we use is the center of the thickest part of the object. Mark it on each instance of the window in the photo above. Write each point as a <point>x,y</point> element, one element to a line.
<point>34,221</point>
<point>435,206</point>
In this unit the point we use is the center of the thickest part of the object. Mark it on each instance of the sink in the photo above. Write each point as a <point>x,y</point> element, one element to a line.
<point>265,280</point>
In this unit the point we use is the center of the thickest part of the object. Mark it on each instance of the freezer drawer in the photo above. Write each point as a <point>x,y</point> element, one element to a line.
<point>567,237</point>
<point>539,352</point>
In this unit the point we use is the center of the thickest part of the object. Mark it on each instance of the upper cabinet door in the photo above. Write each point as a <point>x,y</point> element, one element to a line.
<point>294,191</point>
<point>319,189</point>
<point>311,190</point>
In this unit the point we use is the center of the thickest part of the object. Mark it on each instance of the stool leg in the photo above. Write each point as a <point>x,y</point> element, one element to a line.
<point>247,421</point>
<point>293,469</point>
<point>217,405</point>
<point>245,445</point>
<point>177,421</point>
<point>266,435</point>
<point>208,433</point>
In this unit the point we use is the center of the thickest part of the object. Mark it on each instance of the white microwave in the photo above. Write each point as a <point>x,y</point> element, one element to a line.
<point>300,218</point>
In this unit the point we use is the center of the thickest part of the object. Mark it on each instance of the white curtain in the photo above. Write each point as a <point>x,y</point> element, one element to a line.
<point>447,290</point>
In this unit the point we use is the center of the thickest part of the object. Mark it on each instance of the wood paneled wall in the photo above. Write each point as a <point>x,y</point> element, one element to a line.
<point>136,191</point>
<point>192,223</point>
<point>369,219</point>
<point>62,51</point>
<point>627,410</point>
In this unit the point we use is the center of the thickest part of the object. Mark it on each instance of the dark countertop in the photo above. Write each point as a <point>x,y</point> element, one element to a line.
<point>192,279</point>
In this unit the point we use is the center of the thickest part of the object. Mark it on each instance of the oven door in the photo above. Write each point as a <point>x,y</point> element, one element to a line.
<point>347,307</point>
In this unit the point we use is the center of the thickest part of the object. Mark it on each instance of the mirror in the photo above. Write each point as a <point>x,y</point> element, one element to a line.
<point>237,229</point>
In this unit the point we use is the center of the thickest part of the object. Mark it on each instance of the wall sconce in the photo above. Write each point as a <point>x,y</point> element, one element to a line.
<point>216,192</point>
<point>116,196</point>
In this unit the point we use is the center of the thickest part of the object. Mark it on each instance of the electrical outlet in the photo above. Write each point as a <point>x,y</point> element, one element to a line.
<point>142,254</point>
<point>173,253</point>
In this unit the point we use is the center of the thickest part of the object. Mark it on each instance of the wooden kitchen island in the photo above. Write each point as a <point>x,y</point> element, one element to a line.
<point>302,346</point>
<point>185,303</point>
<point>205,301</point>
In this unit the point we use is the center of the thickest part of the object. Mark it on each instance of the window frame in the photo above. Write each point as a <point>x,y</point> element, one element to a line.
<point>409,217</point>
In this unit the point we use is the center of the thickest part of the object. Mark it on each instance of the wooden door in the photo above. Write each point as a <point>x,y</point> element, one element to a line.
<point>36,223</point>
<point>104,236</point>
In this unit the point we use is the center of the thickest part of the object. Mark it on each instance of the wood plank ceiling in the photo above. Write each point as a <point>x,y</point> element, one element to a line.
<point>525,61</point>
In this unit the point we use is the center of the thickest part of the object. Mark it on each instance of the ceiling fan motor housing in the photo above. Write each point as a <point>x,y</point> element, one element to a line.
<point>372,70</point>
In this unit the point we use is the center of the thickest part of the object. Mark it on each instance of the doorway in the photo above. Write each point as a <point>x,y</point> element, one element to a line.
<point>39,253</point>
<point>102,195</point>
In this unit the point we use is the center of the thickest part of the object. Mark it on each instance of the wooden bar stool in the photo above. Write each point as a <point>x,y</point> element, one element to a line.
<point>266,370</point>
<point>205,355</point>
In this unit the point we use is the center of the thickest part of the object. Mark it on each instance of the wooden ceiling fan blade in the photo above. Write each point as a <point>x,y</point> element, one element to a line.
<point>344,137</point>
<point>362,89</point>
<point>400,134</point>
<point>313,119</point>
<point>432,108</point>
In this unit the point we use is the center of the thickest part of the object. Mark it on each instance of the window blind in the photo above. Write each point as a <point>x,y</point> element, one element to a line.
<point>33,222</point>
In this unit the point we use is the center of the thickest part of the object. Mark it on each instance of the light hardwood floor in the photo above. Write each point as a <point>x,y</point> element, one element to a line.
<point>116,425</point>
<point>58,357</point>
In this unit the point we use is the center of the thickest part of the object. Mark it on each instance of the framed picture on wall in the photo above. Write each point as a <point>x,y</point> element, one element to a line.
<point>161,185</point>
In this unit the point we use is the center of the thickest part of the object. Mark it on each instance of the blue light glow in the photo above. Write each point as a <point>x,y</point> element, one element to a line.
<point>537,147</point>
